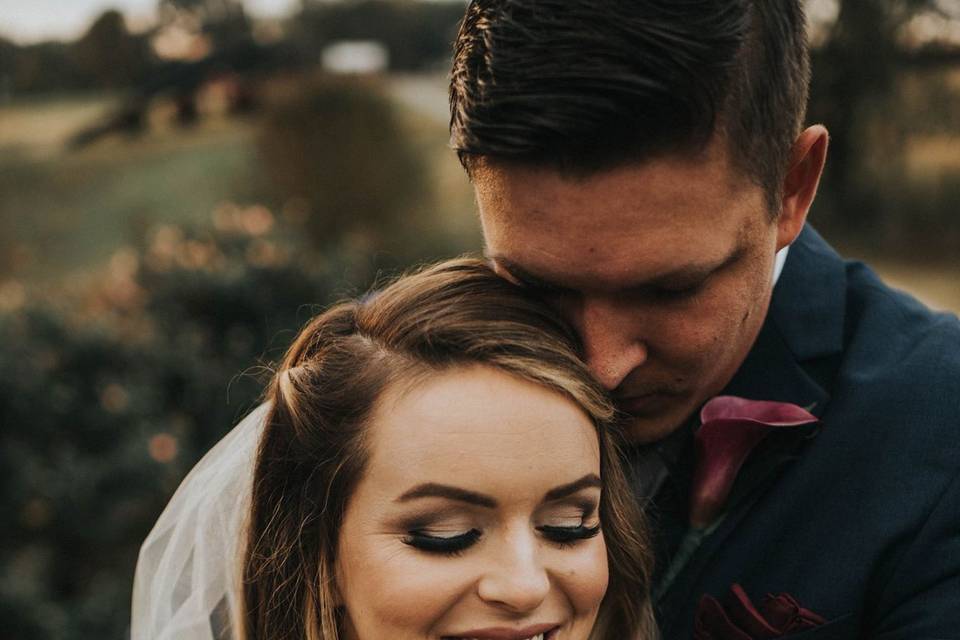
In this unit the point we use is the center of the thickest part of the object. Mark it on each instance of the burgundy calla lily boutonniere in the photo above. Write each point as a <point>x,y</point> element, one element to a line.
<point>730,429</point>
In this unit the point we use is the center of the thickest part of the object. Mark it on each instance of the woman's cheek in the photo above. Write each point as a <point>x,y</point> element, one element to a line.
<point>586,576</point>
<point>407,591</point>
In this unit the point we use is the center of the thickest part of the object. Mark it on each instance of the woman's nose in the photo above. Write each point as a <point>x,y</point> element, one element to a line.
<point>516,579</point>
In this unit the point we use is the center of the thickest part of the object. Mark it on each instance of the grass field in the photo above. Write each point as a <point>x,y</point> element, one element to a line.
<point>40,126</point>
<point>64,212</point>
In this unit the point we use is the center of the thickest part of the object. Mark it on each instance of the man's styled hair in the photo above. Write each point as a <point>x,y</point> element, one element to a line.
<point>586,85</point>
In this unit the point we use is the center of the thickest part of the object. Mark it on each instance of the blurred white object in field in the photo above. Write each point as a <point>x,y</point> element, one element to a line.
<point>355,56</point>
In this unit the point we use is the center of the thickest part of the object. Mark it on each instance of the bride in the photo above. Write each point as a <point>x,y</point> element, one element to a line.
<point>432,462</point>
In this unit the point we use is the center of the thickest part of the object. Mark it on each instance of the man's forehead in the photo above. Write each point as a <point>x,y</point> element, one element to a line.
<point>632,205</point>
<point>671,220</point>
<point>563,253</point>
<point>710,164</point>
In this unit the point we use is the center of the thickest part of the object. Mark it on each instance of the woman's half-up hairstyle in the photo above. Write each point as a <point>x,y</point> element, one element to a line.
<point>313,451</point>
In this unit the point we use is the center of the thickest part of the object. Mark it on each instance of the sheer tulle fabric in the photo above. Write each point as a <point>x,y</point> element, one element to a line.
<point>188,574</point>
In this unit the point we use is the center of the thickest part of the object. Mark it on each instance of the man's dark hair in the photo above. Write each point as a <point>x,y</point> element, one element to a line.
<point>587,85</point>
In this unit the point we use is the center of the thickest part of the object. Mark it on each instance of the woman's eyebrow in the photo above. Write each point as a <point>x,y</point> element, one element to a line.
<point>434,490</point>
<point>564,490</point>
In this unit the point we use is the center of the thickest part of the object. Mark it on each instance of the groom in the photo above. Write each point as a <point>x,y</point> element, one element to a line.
<point>645,167</point>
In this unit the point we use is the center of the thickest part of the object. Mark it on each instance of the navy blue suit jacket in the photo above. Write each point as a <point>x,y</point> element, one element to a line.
<point>861,524</point>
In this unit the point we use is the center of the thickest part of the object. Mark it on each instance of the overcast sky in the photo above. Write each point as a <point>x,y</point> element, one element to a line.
<point>32,20</point>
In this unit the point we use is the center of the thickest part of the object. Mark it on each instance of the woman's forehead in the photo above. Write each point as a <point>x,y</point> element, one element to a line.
<point>483,427</point>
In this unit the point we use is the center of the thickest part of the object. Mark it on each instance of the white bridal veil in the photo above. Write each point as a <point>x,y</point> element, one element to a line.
<point>188,574</point>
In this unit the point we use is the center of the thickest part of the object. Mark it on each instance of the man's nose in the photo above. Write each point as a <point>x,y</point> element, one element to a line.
<point>516,580</point>
<point>611,347</point>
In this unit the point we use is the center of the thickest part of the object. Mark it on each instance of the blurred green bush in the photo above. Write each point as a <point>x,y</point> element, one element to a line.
<point>102,419</point>
<point>341,163</point>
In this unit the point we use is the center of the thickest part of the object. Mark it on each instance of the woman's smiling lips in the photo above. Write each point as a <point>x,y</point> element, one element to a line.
<point>534,632</point>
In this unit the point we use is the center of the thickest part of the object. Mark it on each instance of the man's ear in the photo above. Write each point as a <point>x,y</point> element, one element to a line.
<point>807,159</point>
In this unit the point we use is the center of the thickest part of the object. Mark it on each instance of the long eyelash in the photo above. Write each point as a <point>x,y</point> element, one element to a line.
<point>451,546</point>
<point>568,536</point>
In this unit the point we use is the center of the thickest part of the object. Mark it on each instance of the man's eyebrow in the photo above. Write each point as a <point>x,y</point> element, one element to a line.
<point>527,278</point>
<point>588,481</point>
<point>690,273</point>
<point>693,273</point>
<point>434,490</point>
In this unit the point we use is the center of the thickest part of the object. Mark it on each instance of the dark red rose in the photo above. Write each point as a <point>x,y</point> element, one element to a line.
<point>739,619</point>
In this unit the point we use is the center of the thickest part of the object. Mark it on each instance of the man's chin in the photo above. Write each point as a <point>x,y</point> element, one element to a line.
<point>656,420</point>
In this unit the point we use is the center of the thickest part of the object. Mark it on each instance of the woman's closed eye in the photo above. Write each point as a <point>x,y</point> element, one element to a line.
<point>443,542</point>
<point>569,535</point>
<point>569,528</point>
<point>561,524</point>
<point>454,544</point>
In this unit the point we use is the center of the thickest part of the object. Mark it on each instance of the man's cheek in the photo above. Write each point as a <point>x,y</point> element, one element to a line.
<point>705,331</point>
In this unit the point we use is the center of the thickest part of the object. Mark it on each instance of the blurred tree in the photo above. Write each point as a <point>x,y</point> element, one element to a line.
<point>335,149</point>
<point>42,68</point>
<point>8,52</point>
<point>224,21</point>
<point>854,82</point>
<point>109,55</point>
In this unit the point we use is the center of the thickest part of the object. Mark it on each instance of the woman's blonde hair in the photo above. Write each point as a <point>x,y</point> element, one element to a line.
<point>312,453</point>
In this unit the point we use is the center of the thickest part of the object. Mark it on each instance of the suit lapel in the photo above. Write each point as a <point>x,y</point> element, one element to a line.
<point>771,372</point>
<point>803,330</point>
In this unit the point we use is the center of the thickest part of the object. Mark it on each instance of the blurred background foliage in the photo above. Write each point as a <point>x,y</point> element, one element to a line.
<point>178,196</point>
